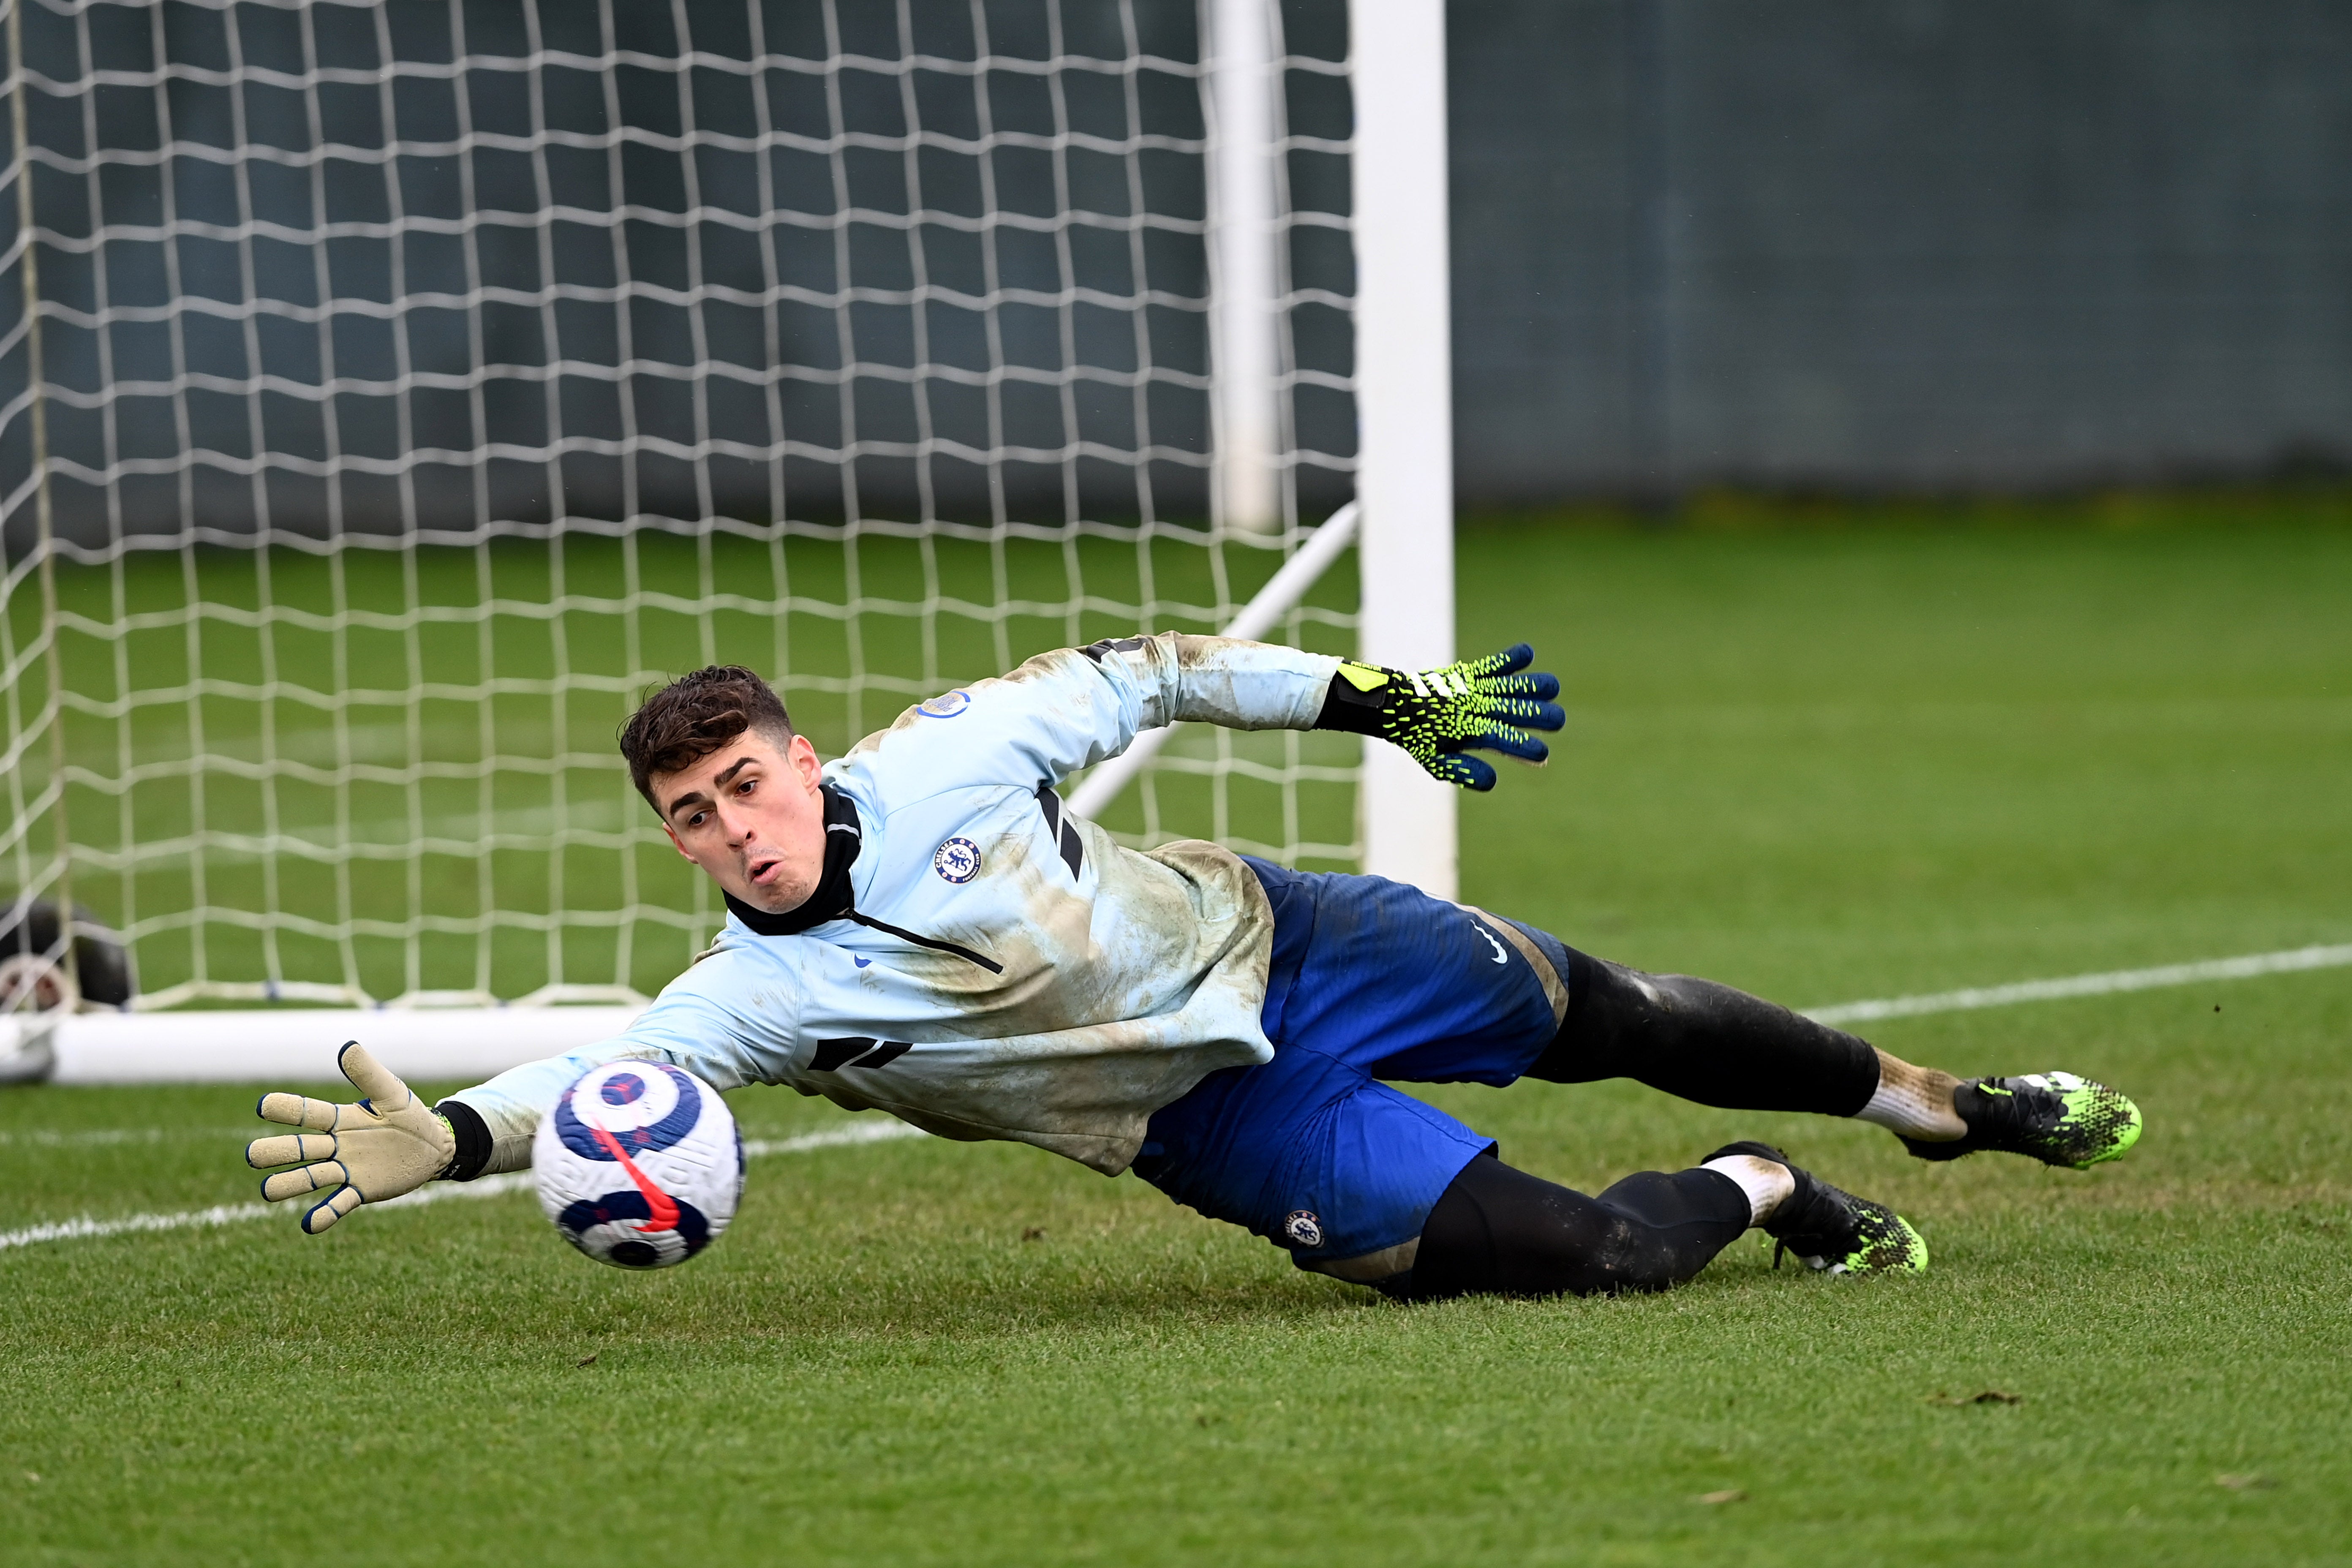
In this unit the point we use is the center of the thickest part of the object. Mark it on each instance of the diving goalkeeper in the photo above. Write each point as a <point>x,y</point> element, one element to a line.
<point>921,927</point>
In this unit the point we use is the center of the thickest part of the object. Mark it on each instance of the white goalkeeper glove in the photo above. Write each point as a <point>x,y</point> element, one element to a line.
<point>388,1143</point>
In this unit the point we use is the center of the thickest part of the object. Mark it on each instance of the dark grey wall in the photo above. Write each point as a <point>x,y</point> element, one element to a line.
<point>1920,245</point>
<point>298,274</point>
<point>1912,244</point>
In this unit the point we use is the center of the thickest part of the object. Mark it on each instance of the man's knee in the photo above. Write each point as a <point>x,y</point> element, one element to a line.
<point>1615,1016</point>
<point>1499,1231</point>
<point>1705,1041</point>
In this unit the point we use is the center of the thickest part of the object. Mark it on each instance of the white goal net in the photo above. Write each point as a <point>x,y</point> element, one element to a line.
<point>390,395</point>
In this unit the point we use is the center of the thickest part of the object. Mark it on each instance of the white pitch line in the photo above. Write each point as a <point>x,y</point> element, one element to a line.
<point>50,1138</point>
<point>487,1187</point>
<point>2103,984</point>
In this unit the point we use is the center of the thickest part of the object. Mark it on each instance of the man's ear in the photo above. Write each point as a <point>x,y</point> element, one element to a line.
<point>801,757</point>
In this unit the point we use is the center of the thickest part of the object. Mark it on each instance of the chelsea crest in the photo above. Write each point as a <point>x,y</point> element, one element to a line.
<point>958,860</point>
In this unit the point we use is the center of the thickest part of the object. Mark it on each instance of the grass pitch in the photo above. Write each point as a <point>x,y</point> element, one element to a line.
<point>1825,764</point>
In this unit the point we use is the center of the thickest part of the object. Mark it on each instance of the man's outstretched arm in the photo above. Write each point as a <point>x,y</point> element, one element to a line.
<point>388,1142</point>
<point>1074,708</point>
<point>1436,715</point>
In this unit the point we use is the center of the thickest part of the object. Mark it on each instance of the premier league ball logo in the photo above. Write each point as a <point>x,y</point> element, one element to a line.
<point>639,1164</point>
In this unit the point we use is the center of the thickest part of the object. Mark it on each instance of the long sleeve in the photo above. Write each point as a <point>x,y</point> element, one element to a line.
<point>1073,708</point>
<point>690,1025</point>
<point>1225,680</point>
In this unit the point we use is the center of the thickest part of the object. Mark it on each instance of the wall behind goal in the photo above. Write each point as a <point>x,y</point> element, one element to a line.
<point>943,264</point>
<point>1932,244</point>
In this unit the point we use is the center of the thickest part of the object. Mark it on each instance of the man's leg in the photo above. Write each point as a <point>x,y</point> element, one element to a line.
<point>1358,1181</point>
<point>1417,990</point>
<point>1710,1042</point>
<point>1371,979</point>
<point>1500,1231</point>
<point>1717,1045</point>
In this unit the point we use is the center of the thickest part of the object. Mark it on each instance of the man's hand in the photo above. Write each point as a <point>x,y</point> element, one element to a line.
<point>1438,714</point>
<point>386,1144</point>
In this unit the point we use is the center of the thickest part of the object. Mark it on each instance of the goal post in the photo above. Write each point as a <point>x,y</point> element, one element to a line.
<point>390,396</point>
<point>1404,401</point>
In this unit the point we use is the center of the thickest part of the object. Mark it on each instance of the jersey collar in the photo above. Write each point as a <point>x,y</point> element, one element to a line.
<point>834,898</point>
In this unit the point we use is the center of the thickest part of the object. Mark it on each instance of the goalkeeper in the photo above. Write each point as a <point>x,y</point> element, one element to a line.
<point>920,927</point>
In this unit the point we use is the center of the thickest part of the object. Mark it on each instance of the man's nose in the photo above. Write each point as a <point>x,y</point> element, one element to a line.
<point>737,826</point>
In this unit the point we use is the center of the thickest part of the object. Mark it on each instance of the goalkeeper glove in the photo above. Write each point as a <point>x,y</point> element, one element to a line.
<point>1438,714</point>
<point>386,1144</point>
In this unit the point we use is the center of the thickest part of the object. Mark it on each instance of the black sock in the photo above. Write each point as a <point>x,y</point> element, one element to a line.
<point>1704,1042</point>
<point>1500,1231</point>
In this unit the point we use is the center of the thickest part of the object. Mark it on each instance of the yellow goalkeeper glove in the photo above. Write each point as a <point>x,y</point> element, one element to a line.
<point>1437,715</point>
<point>388,1143</point>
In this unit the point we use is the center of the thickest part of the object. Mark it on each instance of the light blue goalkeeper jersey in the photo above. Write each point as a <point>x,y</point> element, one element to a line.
<point>1002,970</point>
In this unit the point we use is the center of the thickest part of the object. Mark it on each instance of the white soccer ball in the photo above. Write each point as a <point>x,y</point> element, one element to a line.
<point>639,1164</point>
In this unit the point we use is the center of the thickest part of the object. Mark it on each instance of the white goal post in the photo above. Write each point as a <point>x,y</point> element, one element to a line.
<point>1405,401</point>
<point>390,396</point>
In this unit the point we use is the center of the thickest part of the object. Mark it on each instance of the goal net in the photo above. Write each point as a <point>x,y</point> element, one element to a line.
<point>390,395</point>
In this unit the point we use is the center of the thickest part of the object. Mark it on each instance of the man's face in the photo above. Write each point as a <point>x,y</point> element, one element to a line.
<point>749,815</point>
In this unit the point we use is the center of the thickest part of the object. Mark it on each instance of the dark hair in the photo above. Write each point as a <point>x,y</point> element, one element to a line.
<point>693,716</point>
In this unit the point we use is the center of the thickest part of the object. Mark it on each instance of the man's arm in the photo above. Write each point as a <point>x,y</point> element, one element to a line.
<point>1434,715</point>
<point>494,1121</point>
<point>1074,708</point>
<point>387,1143</point>
<point>1218,680</point>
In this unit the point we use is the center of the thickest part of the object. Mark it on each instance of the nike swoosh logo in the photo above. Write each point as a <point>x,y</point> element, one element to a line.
<point>1500,956</point>
<point>663,1215</point>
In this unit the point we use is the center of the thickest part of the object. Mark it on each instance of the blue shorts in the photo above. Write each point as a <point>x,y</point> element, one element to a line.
<point>1371,979</point>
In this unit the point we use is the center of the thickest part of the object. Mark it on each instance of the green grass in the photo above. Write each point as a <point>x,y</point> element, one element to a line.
<point>1824,763</point>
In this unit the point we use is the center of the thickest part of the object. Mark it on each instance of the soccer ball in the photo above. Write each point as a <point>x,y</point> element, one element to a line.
<point>639,1164</point>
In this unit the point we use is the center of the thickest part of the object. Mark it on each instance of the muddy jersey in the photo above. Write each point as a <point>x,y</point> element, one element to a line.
<point>976,960</point>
